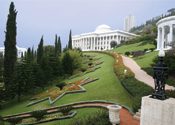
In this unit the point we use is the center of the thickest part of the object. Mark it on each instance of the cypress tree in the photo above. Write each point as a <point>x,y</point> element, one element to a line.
<point>1,67</point>
<point>70,40</point>
<point>40,51</point>
<point>67,63</point>
<point>56,46</point>
<point>33,54</point>
<point>10,55</point>
<point>59,45</point>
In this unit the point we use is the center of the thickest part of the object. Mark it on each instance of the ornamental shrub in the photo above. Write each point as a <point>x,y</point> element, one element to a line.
<point>39,114</point>
<point>66,110</point>
<point>61,85</point>
<point>127,53</point>
<point>14,120</point>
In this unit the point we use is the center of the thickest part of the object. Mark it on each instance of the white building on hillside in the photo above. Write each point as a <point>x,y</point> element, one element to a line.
<point>100,39</point>
<point>20,51</point>
<point>129,23</point>
<point>166,33</point>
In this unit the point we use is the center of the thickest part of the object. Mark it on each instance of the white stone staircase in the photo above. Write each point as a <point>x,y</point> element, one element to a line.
<point>137,115</point>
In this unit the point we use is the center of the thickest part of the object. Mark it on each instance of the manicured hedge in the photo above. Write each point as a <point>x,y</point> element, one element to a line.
<point>99,118</point>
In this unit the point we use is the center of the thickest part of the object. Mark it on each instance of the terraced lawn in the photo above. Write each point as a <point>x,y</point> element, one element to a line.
<point>133,47</point>
<point>108,88</point>
<point>144,61</point>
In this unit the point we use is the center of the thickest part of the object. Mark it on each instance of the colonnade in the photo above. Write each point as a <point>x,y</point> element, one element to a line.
<point>87,43</point>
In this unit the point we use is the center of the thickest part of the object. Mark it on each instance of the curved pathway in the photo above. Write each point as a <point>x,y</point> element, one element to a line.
<point>140,74</point>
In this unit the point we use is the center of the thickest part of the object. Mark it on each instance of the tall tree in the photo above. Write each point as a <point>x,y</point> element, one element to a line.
<point>10,56</point>
<point>56,46</point>
<point>70,40</point>
<point>40,51</point>
<point>1,67</point>
<point>59,44</point>
<point>67,63</point>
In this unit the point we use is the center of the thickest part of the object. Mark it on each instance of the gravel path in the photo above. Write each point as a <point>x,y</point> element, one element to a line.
<point>140,74</point>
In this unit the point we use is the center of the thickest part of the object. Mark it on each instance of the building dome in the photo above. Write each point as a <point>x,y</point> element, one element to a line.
<point>103,28</point>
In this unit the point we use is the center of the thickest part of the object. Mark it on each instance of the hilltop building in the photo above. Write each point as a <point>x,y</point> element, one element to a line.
<point>100,39</point>
<point>20,51</point>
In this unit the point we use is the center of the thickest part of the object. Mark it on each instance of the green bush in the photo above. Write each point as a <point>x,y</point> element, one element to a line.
<point>152,49</point>
<point>61,85</point>
<point>66,110</point>
<point>136,103</point>
<point>14,120</point>
<point>145,50</point>
<point>90,64</point>
<point>170,93</point>
<point>38,114</point>
<point>99,118</point>
<point>135,87</point>
<point>83,69</point>
<point>127,53</point>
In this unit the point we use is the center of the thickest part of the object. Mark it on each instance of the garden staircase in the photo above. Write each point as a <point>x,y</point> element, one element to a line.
<point>137,115</point>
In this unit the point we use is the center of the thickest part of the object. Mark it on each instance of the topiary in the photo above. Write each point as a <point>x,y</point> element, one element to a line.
<point>127,53</point>
<point>61,85</point>
<point>38,114</point>
<point>66,110</point>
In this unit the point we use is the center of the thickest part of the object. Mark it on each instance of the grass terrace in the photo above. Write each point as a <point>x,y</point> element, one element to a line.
<point>108,87</point>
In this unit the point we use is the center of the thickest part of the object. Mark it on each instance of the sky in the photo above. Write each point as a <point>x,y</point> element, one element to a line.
<point>49,17</point>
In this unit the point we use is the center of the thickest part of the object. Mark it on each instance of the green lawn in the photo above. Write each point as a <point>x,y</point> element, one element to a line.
<point>107,87</point>
<point>133,47</point>
<point>146,60</point>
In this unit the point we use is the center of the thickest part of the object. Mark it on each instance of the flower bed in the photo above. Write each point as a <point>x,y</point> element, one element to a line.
<point>48,118</point>
<point>54,94</point>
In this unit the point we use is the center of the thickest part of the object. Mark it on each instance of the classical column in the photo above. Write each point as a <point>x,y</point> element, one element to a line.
<point>158,39</point>
<point>118,39</point>
<point>90,43</point>
<point>84,43</point>
<point>93,43</point>
<point>171,33</point>
<point>163,38</point>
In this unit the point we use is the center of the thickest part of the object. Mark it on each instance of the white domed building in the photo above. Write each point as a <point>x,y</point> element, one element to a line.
<point>100,39</point>
<point>20,51</point>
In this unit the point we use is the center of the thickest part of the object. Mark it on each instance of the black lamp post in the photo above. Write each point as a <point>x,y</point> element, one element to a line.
<point>160,76</point>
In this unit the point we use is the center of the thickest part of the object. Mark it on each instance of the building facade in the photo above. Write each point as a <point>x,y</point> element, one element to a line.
<point>166,33</point>
<point>100,39</point>
<point>20,51</point>
<point>129,23</point>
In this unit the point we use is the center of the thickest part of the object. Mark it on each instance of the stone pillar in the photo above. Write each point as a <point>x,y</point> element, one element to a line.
<point>82,43</point>
<point>163,38</point>
<point>157,112</point>
<point>118,41</point>
<point>171,33</point>
<point>158,39</point>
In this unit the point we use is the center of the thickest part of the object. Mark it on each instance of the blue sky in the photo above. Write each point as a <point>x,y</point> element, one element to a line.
<point>49,17</point>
